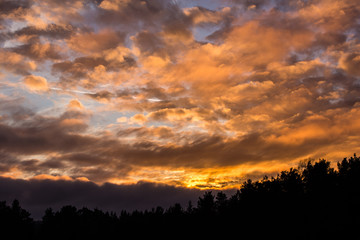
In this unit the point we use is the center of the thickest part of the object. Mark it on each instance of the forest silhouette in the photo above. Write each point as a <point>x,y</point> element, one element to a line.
<point>312,201</point>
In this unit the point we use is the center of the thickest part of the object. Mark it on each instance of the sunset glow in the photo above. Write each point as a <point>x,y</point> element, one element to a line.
<point>197,94</point>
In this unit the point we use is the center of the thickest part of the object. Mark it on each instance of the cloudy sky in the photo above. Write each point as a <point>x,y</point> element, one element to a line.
<point>191,94</point>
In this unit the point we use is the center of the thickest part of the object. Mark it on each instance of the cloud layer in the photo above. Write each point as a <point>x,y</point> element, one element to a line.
<point>186,93</point>
<point>38,195</point>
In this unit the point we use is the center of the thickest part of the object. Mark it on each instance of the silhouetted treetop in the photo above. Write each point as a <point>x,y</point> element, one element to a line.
<point>313,201</point>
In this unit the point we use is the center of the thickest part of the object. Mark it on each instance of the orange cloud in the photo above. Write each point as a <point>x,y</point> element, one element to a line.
<point>16,63</point>
<point>90,43</point>
<point>36,83</point>
<point>114,5</point>
<point>122,120</point>
<point>138,119</point>
<point>75,103</point>
<point>51,177</point>
<point>71,122</point>
<point>350,62</point>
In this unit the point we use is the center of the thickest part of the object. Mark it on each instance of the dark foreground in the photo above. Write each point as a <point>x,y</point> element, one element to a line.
<point>313,201</point>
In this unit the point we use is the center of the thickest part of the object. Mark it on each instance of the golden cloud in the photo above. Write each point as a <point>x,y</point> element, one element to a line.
<point>75,103</point>
<point>90,43</point>
<point>36,83</point>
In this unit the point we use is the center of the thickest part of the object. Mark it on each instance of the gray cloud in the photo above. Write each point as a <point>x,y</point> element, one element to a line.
<point>79,67</point>
<point>8,6</point>
<point>146,12</point>
<point>7,161</point>
<point>50,31</point>
<point>37,195</point>
<point>38,134</point>
<point>38,51</point>
<point>150,43</point>
<point>101,95</point>
<point>71,71</point>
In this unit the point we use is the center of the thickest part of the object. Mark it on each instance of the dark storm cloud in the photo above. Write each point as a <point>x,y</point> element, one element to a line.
<point>10,9</point>
<point>146,12</point>
<point>248,3</point>
<point>52,163</point>
<point>91,42</point>
<point>39,140</point>
<point>50,31</point>
<point>113,158</point>
<point>177,23</point>
<point>15,63</point>
<point>3,37</point>
<point>328,39</point>
<point>83,159</point>
<point>9,6</point>
<point>283,5</point>
<point>153,16</point>
<point>40,135</point>
<point>80,67</point>
<point>160,132</point>
<point>12,109</point>
<point>126,93</point>
<point>152,97</point>
<point>153,91</point>
<point>37,195</point>
<point>279,20</point>
<point>150,43</point>
<point>351,63</point>
<point>219,35</point>
<point>7,161</point>
<point>101,95</point>
<point>29,165</point>
<point>215,152</point>
<point>46,135</point>
<point>38,51</point>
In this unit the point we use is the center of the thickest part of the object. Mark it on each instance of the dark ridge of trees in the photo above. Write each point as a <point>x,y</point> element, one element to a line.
<point>15,221</point>
<point>313,201</point>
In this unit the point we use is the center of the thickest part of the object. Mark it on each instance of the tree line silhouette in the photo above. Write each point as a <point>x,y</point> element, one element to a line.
<point>312,201</point>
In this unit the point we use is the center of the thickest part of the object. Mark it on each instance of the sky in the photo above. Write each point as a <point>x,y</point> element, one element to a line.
<point>188,95</point>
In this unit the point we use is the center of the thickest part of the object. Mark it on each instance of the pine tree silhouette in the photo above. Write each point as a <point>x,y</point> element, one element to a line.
<point>313,201</point>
